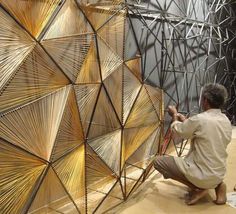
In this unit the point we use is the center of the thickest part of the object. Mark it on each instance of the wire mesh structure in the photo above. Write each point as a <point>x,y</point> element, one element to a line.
<point>78,125</point>
<point>184,45</point>
<point>81,93</point>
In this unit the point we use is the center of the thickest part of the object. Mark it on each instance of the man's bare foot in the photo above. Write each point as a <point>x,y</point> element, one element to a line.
<point>196,196</point>
<point>190,193</point>
<point>220,194</point>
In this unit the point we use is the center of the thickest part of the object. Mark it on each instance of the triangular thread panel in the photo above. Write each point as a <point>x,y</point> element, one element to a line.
<point>113,33</point>
<point>156,97</point>
<point>108,148</point>
<point>100,201</point>
<point>132,87</point>
<point>133,138</point>
<point>133,172</point>
<point>75,21</point>
<point>19,173</point>
<point>33,15</point>
<point>34,126</point>
<point>36,77</point>
<point>98,12</point>
<point>131,48</point>
<point>143,112</point>
<point>70,52</point>
<point>99,176</point>
<point>134,66</point>
<point>132,185</point>
<point>94,198</point>
<point>104,119</point>
<point>131,178</point>
<point>113,199</point>
<point>144,155</point>
<point>51,197</point>
<point>15,45</point>
<point>90,71</point>
<point>114,87</point>
<point>71,171</point>
<point>99,179</point>
<point>134,177</point>
<point>70,132</point>
<point>109,60</point>
<point>86,96</point>
<point>117,191</point>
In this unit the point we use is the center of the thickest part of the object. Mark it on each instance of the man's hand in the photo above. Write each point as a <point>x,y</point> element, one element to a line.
<point>181,117</point>
<point>175,115</point>
<point>172,111</point>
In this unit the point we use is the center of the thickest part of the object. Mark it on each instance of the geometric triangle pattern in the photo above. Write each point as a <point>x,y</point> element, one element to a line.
<point>144,106</point>
<point>100,15</point>
<point>114,87</point>
<point>33,15</point>
<point>34,127</point>
<point>71,171</point>
<point>69,13</point>
<point>70,132</point>
<point>20,171</point>
<point>115,26</point>
<point>69,53</point>
<point>135,67</point>
<point>52,196</point>
<point>16,50</point>
<point>79,126</point>
<point>108,147</point>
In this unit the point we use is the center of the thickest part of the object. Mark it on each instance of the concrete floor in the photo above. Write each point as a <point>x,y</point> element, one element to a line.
<point>159,196</point>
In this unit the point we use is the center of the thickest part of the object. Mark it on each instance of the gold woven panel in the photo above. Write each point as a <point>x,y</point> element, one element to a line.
<point>78,125</point>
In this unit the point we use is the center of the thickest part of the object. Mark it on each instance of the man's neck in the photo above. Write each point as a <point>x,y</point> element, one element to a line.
<point>206,108</point>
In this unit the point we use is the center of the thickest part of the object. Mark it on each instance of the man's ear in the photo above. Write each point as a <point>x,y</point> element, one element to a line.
<point>205,104</point>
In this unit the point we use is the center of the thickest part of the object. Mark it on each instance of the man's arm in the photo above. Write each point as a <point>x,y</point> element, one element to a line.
<point>181,125</point>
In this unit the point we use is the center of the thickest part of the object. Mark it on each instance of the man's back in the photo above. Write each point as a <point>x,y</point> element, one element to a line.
<point>210,134</point>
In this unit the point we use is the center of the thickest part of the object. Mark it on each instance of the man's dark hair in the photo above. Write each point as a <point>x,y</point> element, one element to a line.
<point>215,94</point>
